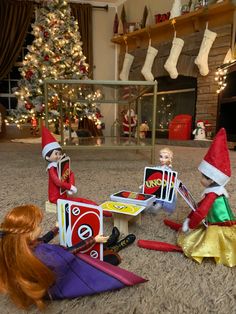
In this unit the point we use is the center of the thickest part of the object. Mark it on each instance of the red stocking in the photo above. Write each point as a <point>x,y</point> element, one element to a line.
<point>159,246</point>
<point>172,224</point>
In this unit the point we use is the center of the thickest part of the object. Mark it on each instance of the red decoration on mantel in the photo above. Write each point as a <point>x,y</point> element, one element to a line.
<point>162,17</point>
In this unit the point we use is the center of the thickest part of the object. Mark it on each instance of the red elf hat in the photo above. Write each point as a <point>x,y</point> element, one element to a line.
<point>216,163</point>
<point>48,142</point>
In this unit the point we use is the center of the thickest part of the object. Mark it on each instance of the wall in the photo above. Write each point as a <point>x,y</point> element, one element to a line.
<point>105,54</point>
<point>134,8</point>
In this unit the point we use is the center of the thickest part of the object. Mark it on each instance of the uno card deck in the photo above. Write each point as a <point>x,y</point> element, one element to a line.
<point>161,182</point>
<point>133,198</point>
<point>122,208</point>
<point>63,170</point>
<point>79,221</point>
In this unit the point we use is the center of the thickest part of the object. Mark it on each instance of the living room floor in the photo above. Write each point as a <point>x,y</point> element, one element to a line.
<point>175,284</point>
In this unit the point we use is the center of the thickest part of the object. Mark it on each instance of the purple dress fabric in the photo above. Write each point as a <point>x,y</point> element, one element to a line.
<point>80,275</point>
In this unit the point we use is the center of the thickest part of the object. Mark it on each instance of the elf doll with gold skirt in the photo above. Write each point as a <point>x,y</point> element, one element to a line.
<point>210,230</point>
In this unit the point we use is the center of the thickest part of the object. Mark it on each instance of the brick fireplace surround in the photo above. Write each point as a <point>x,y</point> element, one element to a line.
<point>207,98</point>
<point>220,18</point>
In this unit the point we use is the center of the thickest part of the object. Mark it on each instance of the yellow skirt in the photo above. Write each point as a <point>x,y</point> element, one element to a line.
<point>215,241</point>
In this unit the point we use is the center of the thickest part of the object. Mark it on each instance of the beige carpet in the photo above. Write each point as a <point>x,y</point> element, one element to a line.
<point>176,284</point>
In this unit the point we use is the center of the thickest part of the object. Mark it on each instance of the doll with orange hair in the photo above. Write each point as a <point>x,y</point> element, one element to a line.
<point>32,270</point>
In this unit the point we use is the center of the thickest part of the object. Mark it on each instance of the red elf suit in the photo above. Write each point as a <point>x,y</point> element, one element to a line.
<point>215,238</point>
<point>49,143</point>
<point>218,239</point>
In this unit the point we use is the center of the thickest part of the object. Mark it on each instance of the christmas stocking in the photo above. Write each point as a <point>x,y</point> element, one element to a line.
<point>171,62</point>
<point>146,70</point>
<point>128,60</point>
<point>202,59</point>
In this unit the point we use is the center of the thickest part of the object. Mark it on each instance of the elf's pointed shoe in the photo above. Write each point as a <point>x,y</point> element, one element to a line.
<point>172,224</point>
<point>159,246</point>
<point>129,239</point>
<point>111,257</point>
<point>113,238</point>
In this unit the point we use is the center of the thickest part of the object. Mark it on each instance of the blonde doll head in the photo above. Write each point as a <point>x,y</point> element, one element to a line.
<point>166,157</point>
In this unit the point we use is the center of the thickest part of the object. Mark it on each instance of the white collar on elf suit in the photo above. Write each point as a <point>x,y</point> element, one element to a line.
<point>51,164</point>
<point>219,190</point>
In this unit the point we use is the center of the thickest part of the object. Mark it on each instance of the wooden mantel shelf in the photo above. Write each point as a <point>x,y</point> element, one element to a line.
<point>216,15</point>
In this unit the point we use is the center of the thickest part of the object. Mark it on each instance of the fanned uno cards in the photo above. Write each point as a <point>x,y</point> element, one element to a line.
<point>133,198</point>
<point>122,208</point>
<point>187,196</point>
<point>161,182</point>
<point>79,221</point>
<point>63,170</point>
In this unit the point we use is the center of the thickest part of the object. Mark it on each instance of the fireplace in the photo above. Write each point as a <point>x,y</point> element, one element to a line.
<point>174,97</point>
<point>227,107</point>
<point>202,99</point>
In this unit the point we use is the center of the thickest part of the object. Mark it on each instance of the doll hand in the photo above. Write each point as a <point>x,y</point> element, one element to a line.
<point>185,225</point>
<point>101,239</point>
<point>73,190</point>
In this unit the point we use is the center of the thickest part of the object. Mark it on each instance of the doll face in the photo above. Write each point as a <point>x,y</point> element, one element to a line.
<point>206,181</point>
<point>55,156</point>
<point>165,158</point>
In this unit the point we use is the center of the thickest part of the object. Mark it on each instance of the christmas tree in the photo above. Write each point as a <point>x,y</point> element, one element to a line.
<point>56,53</point>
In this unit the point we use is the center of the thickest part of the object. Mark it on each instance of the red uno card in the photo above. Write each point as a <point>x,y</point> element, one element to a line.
<point>63,170</point>
<point>85,220</point>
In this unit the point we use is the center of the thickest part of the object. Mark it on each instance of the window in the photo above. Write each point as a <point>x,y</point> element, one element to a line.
<point>7,98</point>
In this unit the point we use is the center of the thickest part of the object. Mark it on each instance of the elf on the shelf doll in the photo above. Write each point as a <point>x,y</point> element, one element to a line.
<point>52,152</point>
<point>216,237</point>
<point>32,271</point>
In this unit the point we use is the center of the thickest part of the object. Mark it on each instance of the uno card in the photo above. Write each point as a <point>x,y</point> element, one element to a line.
<point>172,185</point>
<point>187,196</point>
<point>154,181</point>
<point>165,184</point>
<point>133,198</point>
<point>63,170</point>
<point>79,221</point>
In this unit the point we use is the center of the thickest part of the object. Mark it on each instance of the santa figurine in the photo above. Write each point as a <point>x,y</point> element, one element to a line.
<point>200,131</point>
<point>129,123</point>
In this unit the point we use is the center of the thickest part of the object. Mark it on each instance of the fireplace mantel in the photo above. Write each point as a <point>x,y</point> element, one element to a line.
<point>215,14</point>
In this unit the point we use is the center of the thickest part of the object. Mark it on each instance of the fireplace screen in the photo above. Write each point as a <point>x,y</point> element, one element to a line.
<point>170,103</point>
